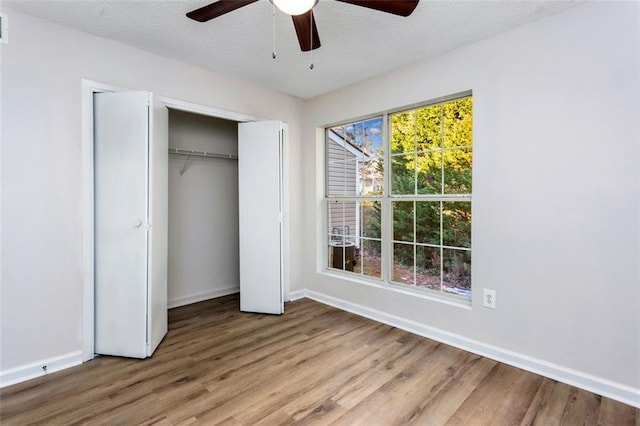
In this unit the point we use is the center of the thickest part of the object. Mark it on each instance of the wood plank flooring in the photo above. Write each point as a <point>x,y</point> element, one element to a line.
<point>313,365</point>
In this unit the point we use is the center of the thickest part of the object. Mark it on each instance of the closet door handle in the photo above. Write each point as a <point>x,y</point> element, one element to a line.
<point>138,224</point>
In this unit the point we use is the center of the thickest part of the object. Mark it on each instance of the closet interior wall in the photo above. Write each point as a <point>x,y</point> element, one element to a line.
<point>203,260</point>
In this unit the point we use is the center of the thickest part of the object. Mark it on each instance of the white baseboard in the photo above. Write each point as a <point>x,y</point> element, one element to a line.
<point>298,294</point>
<point>597,385</point>
<point>199,297</point>
<point>37,369</point>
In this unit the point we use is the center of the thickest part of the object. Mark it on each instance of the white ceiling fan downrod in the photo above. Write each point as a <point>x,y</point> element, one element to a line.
<point>273,29</point>
<point>311,36</point>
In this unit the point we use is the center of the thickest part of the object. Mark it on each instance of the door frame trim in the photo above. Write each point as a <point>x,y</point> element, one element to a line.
<point>88,89</point>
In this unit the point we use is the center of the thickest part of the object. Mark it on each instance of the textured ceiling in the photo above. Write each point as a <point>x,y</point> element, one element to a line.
<point>357,43</point>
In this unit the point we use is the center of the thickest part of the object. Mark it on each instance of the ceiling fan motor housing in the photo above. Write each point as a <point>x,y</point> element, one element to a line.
<point>301,12</point>
<point>294,7</point>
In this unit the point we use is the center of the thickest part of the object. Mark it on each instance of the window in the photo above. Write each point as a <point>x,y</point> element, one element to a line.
<point>411,226</point>
<point>355,187</point>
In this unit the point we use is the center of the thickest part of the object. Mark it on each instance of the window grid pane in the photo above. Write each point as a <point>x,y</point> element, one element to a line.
<point>457,170</point>
<point>428,261</point>
<point>354,242</point>
<point>403,263</point>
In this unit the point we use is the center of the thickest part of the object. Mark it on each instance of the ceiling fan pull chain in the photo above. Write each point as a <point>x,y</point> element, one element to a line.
<point>273,30</point>
<point>311,36</point>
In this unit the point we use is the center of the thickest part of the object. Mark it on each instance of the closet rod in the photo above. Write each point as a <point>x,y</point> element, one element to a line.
<point>182,151</point>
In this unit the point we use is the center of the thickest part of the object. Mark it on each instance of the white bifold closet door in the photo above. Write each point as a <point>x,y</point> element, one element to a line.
<point>261,148</point>
<point>130,225</point>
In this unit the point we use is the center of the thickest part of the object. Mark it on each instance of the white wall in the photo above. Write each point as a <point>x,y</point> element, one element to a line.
<point>203,260</point>
<point>556,193</point>
<point>42,68</point>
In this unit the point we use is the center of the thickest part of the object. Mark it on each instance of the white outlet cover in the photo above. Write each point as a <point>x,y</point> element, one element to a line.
<point>489,298</point>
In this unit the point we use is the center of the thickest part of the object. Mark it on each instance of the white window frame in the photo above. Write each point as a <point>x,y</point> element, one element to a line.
<point>386,200</point>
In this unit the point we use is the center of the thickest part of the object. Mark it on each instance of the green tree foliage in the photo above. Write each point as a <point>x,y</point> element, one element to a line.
<point>431,149</point>
<point>431,154</point>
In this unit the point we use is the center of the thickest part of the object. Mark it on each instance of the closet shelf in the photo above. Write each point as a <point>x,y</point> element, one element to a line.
<point>191,152</point>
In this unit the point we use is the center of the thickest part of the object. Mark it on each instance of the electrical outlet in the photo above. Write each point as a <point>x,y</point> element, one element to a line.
<point>489,298</point>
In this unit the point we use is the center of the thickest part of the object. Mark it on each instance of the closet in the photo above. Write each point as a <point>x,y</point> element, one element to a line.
<point>187,207</point>
<point>203,256</point>
<point>226,211</point>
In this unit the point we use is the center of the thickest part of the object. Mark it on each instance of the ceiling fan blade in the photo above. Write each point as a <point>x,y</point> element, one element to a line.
<point>216,9</point>
<point>306,24</point>
<point>397,7</point>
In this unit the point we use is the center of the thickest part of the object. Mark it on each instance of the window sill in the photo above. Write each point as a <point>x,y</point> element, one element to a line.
<point>450,300</point>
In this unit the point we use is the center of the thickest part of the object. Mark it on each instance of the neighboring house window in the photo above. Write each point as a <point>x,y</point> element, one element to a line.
<point>427,202</point>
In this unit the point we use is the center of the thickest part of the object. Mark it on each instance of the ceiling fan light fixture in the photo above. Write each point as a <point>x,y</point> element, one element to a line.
<point>295,7</point>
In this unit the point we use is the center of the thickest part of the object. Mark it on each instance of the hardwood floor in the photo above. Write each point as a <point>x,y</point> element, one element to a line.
<point>313,365</point>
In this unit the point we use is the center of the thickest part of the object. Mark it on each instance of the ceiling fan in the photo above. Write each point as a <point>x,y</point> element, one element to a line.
<point>301,12</point>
